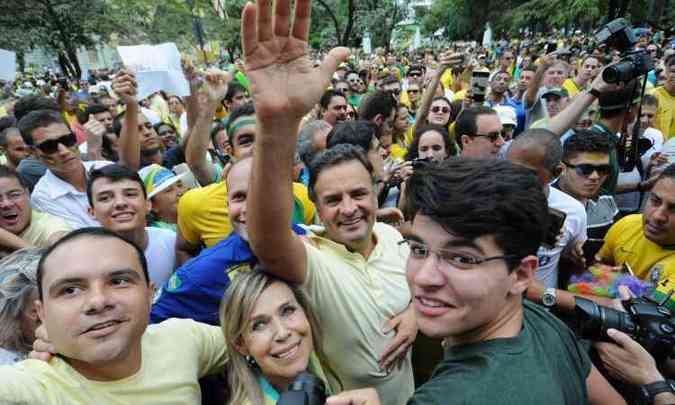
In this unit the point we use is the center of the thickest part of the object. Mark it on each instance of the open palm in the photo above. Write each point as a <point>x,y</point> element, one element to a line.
<point>284,83</point>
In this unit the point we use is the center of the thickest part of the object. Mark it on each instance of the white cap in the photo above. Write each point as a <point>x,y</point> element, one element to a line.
<point>507,114</point>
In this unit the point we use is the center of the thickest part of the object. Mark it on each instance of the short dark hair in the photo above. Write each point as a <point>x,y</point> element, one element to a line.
<point>379,102</point>
<point>334,156</point>
<point>547,140</point>
<point>667,173</point>
<point>391,79</point>
<point>92,232</point>
<point>617,102</point>
<point>467,121</point>
<point>414,145</point>
<point>33,103</point>
<point>7,121</point>
<point>358,133</point>
<point>38,119</point>
<point>217,127</point>
<point>585,141</point>
<point>650,100</point>
<point>234,88</point>
<point>83,116</point>
<point>328,96</point>
<point>113,172</point>
<point>8,172</point>
<point>241,111</point>
<point>164,124</point>
<point>471,198</point>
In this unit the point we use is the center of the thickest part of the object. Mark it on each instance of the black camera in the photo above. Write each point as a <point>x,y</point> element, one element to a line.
<point>419,163</point>
<point>618,35</point>
<point>647,321</point>
<point>306,389</point>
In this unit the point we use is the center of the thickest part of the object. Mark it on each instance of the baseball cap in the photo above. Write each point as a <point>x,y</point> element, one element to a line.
<point>157,179</point>
<point>555,91</point>
<point>507,114</point>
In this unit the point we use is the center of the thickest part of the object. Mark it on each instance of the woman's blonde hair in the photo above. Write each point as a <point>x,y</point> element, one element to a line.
<point>18,285</point>
<point>235,311</point>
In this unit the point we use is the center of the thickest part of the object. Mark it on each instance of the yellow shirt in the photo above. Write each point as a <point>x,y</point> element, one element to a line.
<point>571,87</point>
<point>447,80</point>
<point>665,114</point>
<point>626,243</point>
<point>203,213</point>
<point>176,353</point>
<point>346,289</point>
<point>43,227</point>
<point>398,152</point>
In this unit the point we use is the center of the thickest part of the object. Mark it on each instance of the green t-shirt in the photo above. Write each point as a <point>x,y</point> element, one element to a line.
<point>544,364</point>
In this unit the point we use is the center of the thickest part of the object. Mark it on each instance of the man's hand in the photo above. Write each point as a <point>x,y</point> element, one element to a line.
<point>95,131</point>
<point>405,326</point>
<point>215,86</point>
<point>42,347</point>
<point>627,360</point>
<point>390,215</point>
<point>124,84</point>
<point>450,59</point>
<point>191,75</point>
<point>602,86</point>
<point>284,83</point>
<point>367,396</point>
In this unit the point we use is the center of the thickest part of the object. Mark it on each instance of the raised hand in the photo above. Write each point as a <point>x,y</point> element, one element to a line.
<point>95,131</point>
<point>124,84</point>
<point>284,83</point>
<point>215,85</point>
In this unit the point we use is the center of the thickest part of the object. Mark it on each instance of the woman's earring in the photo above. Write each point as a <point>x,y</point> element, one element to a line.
<point>251,361</point>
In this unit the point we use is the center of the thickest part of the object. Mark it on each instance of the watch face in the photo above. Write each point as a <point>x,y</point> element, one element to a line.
<point>548,300</point>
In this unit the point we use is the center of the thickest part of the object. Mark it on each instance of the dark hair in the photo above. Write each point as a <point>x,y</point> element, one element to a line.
<point>113,172</point>
<point>328,96</point>
<point>471,198</point>
<point>670,60</point>
<point>379,102</point>
<point>241,111</point>
<point>38,119</point>
<point>413,152</point>
<point>334,156</point>
<point>234,88</point>
<point>389,80</point>
<point>650,100</point>
<point>358,133</point>
<point>117,123</point>
<point>8,172</point>
<point>614,103</point>
<point>467,121</point>
<point>217,127</point>
<point>545,139</point>
<point>454,108</point>
<point>83,116</point>
<point>93,232</point>
<point>164,124</point>
<point>7,122</point>
<point>667,173</point>
<point>585,141</point>
<point>33,103</point>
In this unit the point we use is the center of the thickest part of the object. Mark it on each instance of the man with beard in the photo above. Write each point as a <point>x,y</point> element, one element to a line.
<point>333,107</point>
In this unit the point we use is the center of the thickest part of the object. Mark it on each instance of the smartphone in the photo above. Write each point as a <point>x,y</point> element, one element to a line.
<point>591,248</point>
<point>479,84</point>
<point>556,222</point>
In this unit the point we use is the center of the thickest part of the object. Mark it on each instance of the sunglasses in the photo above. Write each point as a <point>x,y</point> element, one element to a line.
<point>443,110</point>
<point>413,91</point>
<point>492,136</point>
<point>415,74</point>
<point>52,146</point>
<point>586,170</point>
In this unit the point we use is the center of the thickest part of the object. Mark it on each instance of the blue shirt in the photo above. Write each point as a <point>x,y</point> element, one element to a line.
<point>520,112</point>
<point>196,288</point>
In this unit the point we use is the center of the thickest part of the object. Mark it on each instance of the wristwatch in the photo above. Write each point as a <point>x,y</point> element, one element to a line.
<point>649,391</point>
<point>549,298</point>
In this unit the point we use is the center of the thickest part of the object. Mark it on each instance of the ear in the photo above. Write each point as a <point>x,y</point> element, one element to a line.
<point>40,310</point>
<point>523,275</point>
<point>379,120</point>
<point>558,170</point>
<point>148,205</point>
<point>151,294</point>
<point>90,210</point>
<point>240,347</point>
<point>465,139</point>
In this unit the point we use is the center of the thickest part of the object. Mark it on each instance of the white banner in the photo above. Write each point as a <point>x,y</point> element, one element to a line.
<point>7,65</point>
<point>157,67</point>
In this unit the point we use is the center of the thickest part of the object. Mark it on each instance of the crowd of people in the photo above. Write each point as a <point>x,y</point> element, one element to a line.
<point>373,220</point>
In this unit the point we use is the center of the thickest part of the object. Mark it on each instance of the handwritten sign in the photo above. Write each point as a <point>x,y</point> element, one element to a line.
<point>157,67</point>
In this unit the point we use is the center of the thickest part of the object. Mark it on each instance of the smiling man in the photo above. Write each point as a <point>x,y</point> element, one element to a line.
<point>119,202</point>
<point>20,225</point>
<point>475,234</point>
<point>94,306</point>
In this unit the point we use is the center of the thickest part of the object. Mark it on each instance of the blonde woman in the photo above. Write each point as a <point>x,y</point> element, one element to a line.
<point>273,336</point>
<point>18,316</point>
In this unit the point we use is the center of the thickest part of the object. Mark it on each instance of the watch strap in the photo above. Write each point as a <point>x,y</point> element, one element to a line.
<point>649,391</point>
<point>594,92</point>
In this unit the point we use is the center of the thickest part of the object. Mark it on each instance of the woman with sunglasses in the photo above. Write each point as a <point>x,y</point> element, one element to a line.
<point>273,335</point>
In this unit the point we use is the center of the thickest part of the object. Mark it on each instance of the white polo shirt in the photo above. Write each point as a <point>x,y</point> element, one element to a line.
<point>57,197</point>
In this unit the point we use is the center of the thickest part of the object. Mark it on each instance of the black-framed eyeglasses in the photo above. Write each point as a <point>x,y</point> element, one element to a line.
<point>459,260</point>
<point>51,146</point>
<point>587,169</point>
<point>492,136</point>
<point>413,91</point>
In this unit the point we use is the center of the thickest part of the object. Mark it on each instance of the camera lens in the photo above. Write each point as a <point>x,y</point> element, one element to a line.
<point>594,320</point>
<point>623,71</point>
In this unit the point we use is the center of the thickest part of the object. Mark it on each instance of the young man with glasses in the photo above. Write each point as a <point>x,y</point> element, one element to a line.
<point>472,257</point>
<point>479,132</point>
<point>585,169</point>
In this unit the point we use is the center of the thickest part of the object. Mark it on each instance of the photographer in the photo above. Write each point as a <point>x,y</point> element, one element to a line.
<point>629,362</point>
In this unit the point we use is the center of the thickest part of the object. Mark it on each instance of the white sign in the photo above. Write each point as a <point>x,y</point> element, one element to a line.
<point>367,48</point>
<point>157,67</point>
<point>7,65</point>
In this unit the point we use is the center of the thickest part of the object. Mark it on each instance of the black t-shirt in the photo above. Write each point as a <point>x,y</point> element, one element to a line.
<point>544,364</point>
